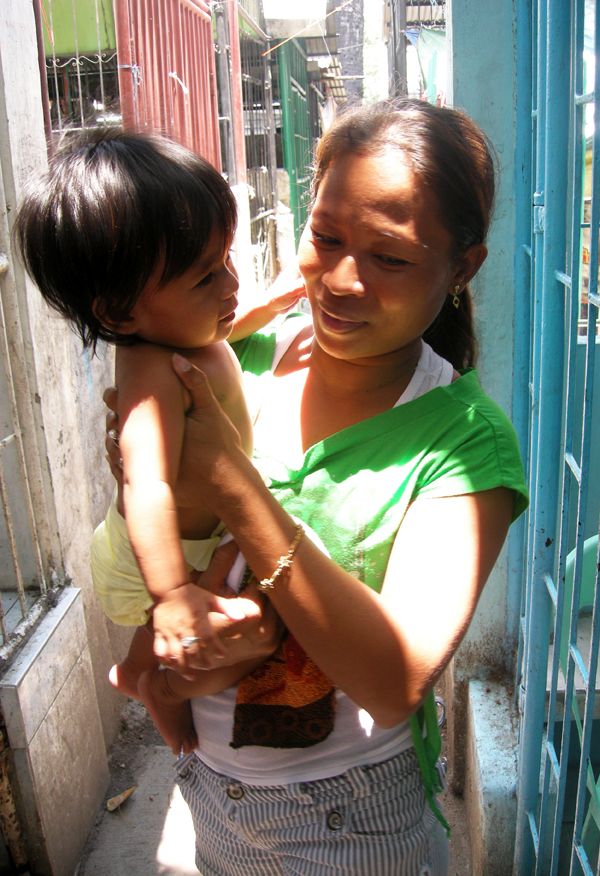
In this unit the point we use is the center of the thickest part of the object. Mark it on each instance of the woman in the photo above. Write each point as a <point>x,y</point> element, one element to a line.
<point>316,763</point>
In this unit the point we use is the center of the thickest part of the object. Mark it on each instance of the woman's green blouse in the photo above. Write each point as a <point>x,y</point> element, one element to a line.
<point>354,487</point>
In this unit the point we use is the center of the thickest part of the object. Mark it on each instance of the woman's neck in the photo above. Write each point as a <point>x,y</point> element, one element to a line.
<point>331,394</point>
<point>389,373</point>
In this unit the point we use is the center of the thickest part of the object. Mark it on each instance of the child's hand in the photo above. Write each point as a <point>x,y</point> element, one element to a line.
<point>190,611</point>
<point>286,290</point>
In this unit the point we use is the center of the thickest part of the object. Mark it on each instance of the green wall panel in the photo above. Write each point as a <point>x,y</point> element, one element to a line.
<point>86,26</point>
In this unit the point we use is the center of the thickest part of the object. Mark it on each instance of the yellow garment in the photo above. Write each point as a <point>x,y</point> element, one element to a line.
<point>117,579</point>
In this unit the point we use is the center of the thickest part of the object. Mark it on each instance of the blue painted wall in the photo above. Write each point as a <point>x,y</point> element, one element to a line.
<point>482,49</point>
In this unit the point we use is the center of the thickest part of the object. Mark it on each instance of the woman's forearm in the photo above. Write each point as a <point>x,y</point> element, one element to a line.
<point>340,622</point>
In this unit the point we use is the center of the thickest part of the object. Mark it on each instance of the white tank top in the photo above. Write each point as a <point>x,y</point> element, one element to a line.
<point>355,739</point>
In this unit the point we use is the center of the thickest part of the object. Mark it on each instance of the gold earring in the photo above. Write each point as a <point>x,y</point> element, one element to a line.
<point>455,298</point>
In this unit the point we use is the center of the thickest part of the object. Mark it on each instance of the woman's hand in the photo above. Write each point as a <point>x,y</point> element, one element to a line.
<point>111,443</point>
<point>211,442</point>
<point>253,638</point>
<point>190,618</point>
<point>212,451</point>
<point>204,625</point>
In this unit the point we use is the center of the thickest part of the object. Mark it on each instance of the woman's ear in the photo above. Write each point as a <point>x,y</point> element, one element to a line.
<point>469,263</point>
<point>126,326</point>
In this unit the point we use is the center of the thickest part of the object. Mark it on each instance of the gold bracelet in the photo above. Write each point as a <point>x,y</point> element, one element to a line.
<point>284,563</point>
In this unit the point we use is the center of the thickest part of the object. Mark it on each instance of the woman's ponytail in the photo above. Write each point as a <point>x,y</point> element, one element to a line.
<point>452,335</point>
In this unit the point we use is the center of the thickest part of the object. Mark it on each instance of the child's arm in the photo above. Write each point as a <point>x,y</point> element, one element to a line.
<point>151,413</point>
<point>285,291</point>
<point>214,681</point>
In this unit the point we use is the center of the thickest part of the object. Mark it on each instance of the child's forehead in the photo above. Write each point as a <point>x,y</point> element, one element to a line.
<point>216,245</point>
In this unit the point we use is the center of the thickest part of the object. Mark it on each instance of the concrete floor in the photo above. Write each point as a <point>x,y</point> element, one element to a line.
<point>151,834</point>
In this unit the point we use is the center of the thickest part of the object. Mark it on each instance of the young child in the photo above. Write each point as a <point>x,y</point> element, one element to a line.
<point>128,237</point>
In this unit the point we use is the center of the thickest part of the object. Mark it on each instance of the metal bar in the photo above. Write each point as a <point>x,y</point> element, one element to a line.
<point>266,214</point>
<point>551,588</point>
<point>586,449</point>
<point>77,64</point>
<point>575,655</point>
<point>594,298</point>
<point>563,278</point>
<point>99,44</point>
<point>557,133</point>
<point>552,147</point>
<point>54,68</point>
<point>553,759</point>
<point>253,24</point>
<point>534,651</point>
<point>522,309</point>
<point>237,102</point>
<point>287,130</point>
<point>574,466</point>
<point>12,543</point>
<point>533,829</point>
<point>43,74</point>
<point>125,66</point>
<point>28,468</point>
<point>224,81</point>
<point>175,75</point>
<point>583,859</point>
<point>22,630</point>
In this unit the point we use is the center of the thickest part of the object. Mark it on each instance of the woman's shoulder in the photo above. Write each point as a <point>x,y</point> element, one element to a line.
<point>468,392</point>
<point>478,444</point>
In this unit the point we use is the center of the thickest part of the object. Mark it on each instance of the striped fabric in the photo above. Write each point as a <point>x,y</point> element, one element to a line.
<point>369,821</point>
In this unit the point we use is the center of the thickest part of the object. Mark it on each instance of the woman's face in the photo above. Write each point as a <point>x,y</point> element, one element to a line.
<point>377,261</point>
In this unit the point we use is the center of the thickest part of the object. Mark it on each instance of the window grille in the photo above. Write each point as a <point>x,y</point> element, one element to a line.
<point>254,10</point>
<point>558,815</point>
<point>28,547</point>
<point>259,131</point>
<point>292,99</point>
<point>80,77</point>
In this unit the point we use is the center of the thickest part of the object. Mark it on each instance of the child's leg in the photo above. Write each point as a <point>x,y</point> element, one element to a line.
<point>167,695</point>
<point>125,675</point>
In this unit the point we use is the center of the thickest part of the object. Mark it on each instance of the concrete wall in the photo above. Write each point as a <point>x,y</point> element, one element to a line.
<point>350,26</point>
<point>67,387</point>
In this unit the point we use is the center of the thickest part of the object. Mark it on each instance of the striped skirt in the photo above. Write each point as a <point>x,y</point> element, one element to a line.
<point>369,821</point>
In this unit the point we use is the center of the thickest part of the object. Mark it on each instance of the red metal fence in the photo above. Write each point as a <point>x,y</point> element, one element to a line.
<point>167,71</point>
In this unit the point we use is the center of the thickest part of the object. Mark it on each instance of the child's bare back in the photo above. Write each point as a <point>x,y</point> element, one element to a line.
<point>152,364</point>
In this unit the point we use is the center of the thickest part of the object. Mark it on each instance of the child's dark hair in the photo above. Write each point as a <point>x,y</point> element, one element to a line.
<point>452,156</point>
<point>110,210</point>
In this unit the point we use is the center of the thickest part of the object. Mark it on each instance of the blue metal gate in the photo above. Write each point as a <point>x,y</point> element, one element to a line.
<point>558,826</point>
